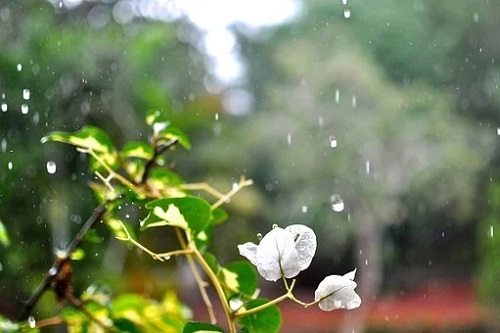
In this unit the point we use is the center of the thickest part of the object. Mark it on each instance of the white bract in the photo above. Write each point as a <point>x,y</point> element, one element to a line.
<point>337,292</point>
<point>282,252</point>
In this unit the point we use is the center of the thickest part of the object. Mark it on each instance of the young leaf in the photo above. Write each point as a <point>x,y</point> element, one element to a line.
<point>200,327</point>
<point>170,133</point>
<point>8,326</point>
<point>137,149</point>
<point>239,276</point>
<point>89,137</point>
<point>212,262</point>
<point>4,237</point>
<point>187,212</point>
<point>219,215</point>
<point>264,321</point>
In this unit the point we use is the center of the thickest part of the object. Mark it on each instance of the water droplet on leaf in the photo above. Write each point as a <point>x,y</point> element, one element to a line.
<point>31,322</point>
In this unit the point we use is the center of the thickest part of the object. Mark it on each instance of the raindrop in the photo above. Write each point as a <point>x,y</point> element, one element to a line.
<point>491,231</point>
<point>9,165</point>
<point>31,322</point>
<point>366,262</point>
<point>3,145</point>
<point>26,94</point>
<point>51,167</point>
<point>337,96</point>
<point>24,109</point>
<point>236,186</point>
<point>353,101</point>
<point>304,209</point>
<point>60,4</point>
<point>19,67</point>
<point>216,116</point>
<point>442,234</point>
<point>289,139</point>
<point>333,141</point>
<point>347,13</point>
<point>344,2</point>
<point>235,303</point>
<point>259,236</point>
<point>475,17</point>
<point>1,267</point>
<point>337,203</point>
<point>498,130</point>
<point>36,118</point>
<point>367,167</point>
<point>274,225</point>
<point>52,271</point>
<point>321,121</point>
<point>4,107</point>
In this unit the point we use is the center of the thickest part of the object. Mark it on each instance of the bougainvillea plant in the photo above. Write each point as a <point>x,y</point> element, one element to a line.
<point>139,174</point>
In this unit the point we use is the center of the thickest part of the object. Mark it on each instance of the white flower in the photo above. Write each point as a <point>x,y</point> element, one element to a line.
<point>337,292</point>
<point>282,252</point>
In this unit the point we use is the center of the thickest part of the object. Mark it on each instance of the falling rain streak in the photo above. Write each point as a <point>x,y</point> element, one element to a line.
<point>24,109</point>
<point>491,231</point>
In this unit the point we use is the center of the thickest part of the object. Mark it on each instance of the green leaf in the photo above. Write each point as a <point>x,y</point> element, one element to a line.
<point>89,137</point>
<point>116,226</point>
<point>137,149</point>
<point>239,276</point>
<point>212,262</point>
<point>200,327</point>
<point>126,325</point>
<point>219,216</point>
<point>170,133</point>
<point>187,212</point>
<point>155,116</point>
<point>264,321</point>
<point>8,326</point>
<point>4,237</point>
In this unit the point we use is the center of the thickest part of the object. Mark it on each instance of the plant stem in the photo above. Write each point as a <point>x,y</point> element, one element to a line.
<point>217,286</point>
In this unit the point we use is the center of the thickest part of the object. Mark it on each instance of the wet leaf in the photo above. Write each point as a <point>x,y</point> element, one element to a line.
<point>170,133</point>
<point>187,212</point>
<point>4,237</point>
<point>137,149</point>
<point>91,138</point>
<point>239,276</point>
<point>200,327</point>
<point>265,321</point>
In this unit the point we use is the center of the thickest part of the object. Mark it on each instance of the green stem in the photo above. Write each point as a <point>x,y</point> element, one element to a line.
<point>288,295</point>
<point>215,282</point>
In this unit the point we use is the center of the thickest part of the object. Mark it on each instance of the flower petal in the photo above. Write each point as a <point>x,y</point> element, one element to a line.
<point>305,243</point>
<point>337,292</point>
<point>249,251</point>
<point>276,252</point>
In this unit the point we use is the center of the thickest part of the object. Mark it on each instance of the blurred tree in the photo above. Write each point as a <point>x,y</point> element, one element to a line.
<point>359,108</point>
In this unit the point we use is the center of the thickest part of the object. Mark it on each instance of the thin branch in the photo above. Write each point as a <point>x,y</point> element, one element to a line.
<point>157,152</point>
<point>58,262</point>
<point>288,295</point>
